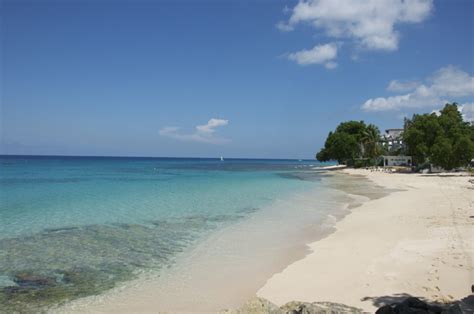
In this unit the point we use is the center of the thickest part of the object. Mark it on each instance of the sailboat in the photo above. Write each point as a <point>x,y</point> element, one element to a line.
<point>222,158</point>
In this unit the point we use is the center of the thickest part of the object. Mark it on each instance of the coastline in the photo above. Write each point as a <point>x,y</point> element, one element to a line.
<point>422,236</point>
<point>231,264</point>
<point>415,241</point>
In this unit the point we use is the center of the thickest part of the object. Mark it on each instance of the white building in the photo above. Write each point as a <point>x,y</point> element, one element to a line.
<point>392,139</point>
<point>391,161</point>
<point>393,133</point>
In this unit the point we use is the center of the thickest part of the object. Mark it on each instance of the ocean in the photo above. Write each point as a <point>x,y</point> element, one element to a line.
<point>75,227</point>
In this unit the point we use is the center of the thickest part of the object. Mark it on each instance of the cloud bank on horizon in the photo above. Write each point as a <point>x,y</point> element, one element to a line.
<point>448,84</point>
<point>203,133</point>
<point>369,25</point>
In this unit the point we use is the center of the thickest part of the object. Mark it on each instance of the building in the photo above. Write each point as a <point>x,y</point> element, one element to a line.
<point>392,161</point>
<point>392,140</point>
<point>393,133</point>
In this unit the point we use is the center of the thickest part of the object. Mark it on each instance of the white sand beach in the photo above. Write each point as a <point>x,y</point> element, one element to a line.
<point>418,241</point>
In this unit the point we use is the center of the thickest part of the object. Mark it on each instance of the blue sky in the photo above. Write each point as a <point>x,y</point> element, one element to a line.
<point>234,78</point>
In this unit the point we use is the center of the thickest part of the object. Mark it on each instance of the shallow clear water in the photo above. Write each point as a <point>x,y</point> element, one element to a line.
<point>76,226</point>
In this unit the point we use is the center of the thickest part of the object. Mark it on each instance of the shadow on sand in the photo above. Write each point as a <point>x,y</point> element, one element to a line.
<point>380,301</point>
<point>466,304</point>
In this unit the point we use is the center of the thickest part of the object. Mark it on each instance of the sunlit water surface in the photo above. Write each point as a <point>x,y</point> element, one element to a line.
<point>72,227</point>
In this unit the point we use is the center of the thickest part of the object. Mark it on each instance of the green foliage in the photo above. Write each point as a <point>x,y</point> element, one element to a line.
<point>351,140</point>
<point>354,128</point>
<point>340,146</point>
<point>363,162</point>
<point>420,135</point>
<point>445,140</point>
<point>442,153</point>
<point>464,150</point>
<point>370,139</point>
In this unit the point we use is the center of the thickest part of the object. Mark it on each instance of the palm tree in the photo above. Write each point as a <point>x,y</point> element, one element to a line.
<point>370,141</point>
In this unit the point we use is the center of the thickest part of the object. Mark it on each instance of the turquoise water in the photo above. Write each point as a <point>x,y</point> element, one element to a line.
<point>76,226</point>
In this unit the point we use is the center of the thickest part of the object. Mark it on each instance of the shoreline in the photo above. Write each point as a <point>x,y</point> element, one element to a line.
<point>231,264</point>
<point>415,241</point>
<point>344,264</point>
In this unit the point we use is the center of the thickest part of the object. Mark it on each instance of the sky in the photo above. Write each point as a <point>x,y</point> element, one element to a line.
<point>254,79</point>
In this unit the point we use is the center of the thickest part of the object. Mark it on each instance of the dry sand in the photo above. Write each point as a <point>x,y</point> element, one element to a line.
<point>418,241</point>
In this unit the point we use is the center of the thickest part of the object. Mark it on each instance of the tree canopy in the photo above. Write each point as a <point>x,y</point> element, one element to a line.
<point>444,140</point>
<point>351,140</point>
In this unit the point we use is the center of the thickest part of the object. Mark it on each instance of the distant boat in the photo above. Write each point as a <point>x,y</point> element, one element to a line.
<point>222,158</point>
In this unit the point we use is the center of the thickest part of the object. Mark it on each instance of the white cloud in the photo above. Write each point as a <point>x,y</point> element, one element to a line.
<point>330,65</point>
<point>284,27</point>
<point>467,111</point>
<point>319,54</point>
<point>451,81</point>
<point>370,23</point>
<point>203,133</point>
<point>445,85</point>
<point>209,128</point>
<point>402,86</point>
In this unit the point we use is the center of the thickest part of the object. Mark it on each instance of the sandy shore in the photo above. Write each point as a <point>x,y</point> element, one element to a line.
<point>407,234</point>
<point>418,241</point>
<point>228,266</point>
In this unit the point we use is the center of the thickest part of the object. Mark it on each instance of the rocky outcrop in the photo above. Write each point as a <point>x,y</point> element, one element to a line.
<point>295,307</point>
<point>262,306</point>
<point>414,305</point>
<point>256,306</point>
<point>409,305</point>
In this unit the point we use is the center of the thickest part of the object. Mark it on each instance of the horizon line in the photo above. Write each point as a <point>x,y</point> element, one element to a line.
<point>163,157</point>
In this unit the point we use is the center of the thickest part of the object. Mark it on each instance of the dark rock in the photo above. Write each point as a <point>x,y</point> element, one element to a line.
<point>386,309</point>
<point>15,290</point>
<point>262,306</point>
<point>28,280</point>
<point>456,309</point>
<point>256,306</point>
<point>467,304</point>
<point>414,305</point>
<point>317,308</point>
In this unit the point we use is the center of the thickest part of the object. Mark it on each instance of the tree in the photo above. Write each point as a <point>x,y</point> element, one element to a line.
<point>355,128</point>
<point>451,122</point>
<point>350,140</point>
<point>442,153</point>
<point>420,134</point>
<point>370,139</point>
<point>445,140</point>
<point>464,150</point>
<point>339,146</point>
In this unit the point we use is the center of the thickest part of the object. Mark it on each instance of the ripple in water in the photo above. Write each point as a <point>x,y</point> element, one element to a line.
<point>62,264</point>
